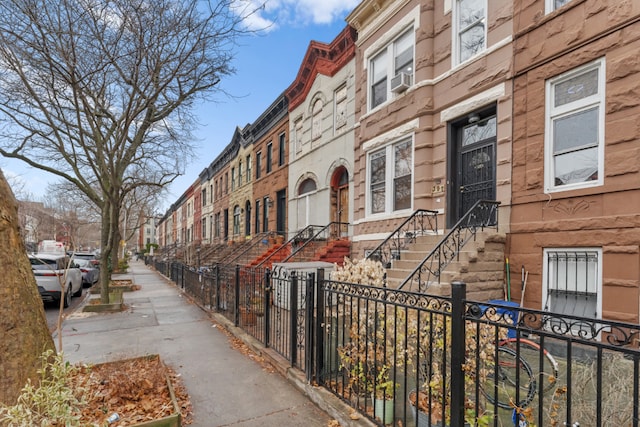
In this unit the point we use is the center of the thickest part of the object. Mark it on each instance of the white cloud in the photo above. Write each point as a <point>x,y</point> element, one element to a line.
<point>269,14</point>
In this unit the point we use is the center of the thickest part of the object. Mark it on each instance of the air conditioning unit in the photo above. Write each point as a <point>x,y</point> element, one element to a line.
<point>400,82</point>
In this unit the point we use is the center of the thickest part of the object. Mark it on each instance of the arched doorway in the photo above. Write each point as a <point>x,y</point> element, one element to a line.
<point>340,199</point>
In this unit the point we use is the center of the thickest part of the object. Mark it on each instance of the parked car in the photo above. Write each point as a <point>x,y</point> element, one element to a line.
<point>90,272</point>
<point>50,270</point>
<point>92,257</point>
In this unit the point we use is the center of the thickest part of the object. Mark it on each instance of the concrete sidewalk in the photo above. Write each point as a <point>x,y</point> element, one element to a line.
<point>226,387</point>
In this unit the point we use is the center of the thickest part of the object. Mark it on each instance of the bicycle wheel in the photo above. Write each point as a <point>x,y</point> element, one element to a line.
<point>545,371</point>
<point>509,382</point>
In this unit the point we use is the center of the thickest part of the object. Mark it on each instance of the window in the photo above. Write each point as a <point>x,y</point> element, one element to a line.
<point>298,135</point>
<point>236,220</point>
<point>282,145</point>
<point>340,115</point>
<point>240,173</point>
<point>248,168</point>
<point>265,214</point>
<point>226,182</point>
<point>257,222</point>
<point>396,58</point>
<point>204,197</point>
<point>216,225</point>
<point>269,157</point>
<point>204,228</point>
<point>316,119</point>
<point>390,178</point>
<point>307,186</point>
<point>573,278</point>
<point>574,138</point>
<point>233,179</point>
<point>471,29</point>
<point>552,5</point>
<point>258,163</point>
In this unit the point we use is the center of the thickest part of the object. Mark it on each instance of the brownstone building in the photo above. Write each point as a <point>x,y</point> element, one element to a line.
<point>270,136</point>
<point>575,220</point>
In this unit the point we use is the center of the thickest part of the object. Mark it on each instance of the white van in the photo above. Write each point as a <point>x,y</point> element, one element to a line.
<point>51,247</point>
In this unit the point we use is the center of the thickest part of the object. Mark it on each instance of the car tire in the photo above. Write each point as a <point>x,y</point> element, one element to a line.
<point>67,297</point>
<point>79,292</point>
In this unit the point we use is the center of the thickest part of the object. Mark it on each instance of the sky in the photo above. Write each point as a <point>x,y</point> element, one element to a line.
<point>265,63</point>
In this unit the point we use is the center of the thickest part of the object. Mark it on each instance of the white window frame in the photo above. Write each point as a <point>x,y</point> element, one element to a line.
<point>553,113</point>
<point>550,5</point>
<point>456,31</point>
<point>389,68</point>
<point>389,178</point>
<point>340,108</point>
<point>316,119</point>
<point>597,285</point>
<point>307,197</point>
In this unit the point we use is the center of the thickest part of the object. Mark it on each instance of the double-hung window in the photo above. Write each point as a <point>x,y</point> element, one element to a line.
<point>258,164</point>
<point>249,168</point>
<point>572,280</point>
<point>390,178</point>
<point>269,157</point>
<point>395,58</point>
<point>470,20</point>
<point>574,137</point>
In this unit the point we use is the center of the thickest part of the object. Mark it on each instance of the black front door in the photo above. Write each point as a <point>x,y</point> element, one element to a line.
<point>475,169</point>
<point>281,212</point>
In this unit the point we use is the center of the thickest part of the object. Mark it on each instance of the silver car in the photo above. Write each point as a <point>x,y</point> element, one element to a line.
<point>51,270</point>
<point>90,273</point>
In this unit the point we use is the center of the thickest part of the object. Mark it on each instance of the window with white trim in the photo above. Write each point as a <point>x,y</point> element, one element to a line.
<point>298,135</point>
<point>573,282</point>
<point>316,119</point>
<point>249,168</point>
<point>470,32</point>
<point>574,134</point>
<point>390,171</point>
<point>236,220</point>
<point>552,5</point>
<point>233,179</point>
<point>395,58</point>
<point>340,99</point>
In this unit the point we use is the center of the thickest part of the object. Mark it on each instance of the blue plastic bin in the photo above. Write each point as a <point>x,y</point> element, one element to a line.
<point>506,312</point>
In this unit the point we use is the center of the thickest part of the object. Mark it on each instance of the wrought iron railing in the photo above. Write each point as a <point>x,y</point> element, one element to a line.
<point>245,252</point>
<point>421,222</point>
<point>483,214</point>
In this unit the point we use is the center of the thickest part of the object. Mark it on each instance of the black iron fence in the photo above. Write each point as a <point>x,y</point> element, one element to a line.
<point>411,359</point>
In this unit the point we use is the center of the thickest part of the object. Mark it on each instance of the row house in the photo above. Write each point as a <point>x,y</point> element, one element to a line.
<point>220,170</point>
<point>321,120</point>
<point>240,197</point>
<point>270,150</point>
<point>575,221</point>
<point>433,113</point>
<point>206,199</point>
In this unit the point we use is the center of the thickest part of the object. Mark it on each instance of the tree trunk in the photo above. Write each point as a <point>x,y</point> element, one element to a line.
<point>25,335</point>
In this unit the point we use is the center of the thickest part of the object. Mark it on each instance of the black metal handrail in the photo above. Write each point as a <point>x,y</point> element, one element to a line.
<point>298,246</point>
<point>421,222</point>
<point>246,250</point>
<point>483,214</point>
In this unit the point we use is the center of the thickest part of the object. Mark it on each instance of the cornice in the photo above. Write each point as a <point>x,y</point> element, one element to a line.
<point>321,58</point>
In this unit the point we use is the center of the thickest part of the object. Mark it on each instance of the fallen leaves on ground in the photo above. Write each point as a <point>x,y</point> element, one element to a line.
<point>135,389</point>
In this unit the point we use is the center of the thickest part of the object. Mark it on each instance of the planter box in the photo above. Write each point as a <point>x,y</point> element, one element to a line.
<point>123,285</point>
<point>116,303</point>
<point>173,420</point>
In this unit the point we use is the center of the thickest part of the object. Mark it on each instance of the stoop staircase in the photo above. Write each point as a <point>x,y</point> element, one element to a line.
<point>418,259</point>
<point>480,264</point>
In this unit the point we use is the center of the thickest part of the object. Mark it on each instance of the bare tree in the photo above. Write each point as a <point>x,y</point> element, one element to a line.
<point>100,92</point>
<point>25,335</point>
